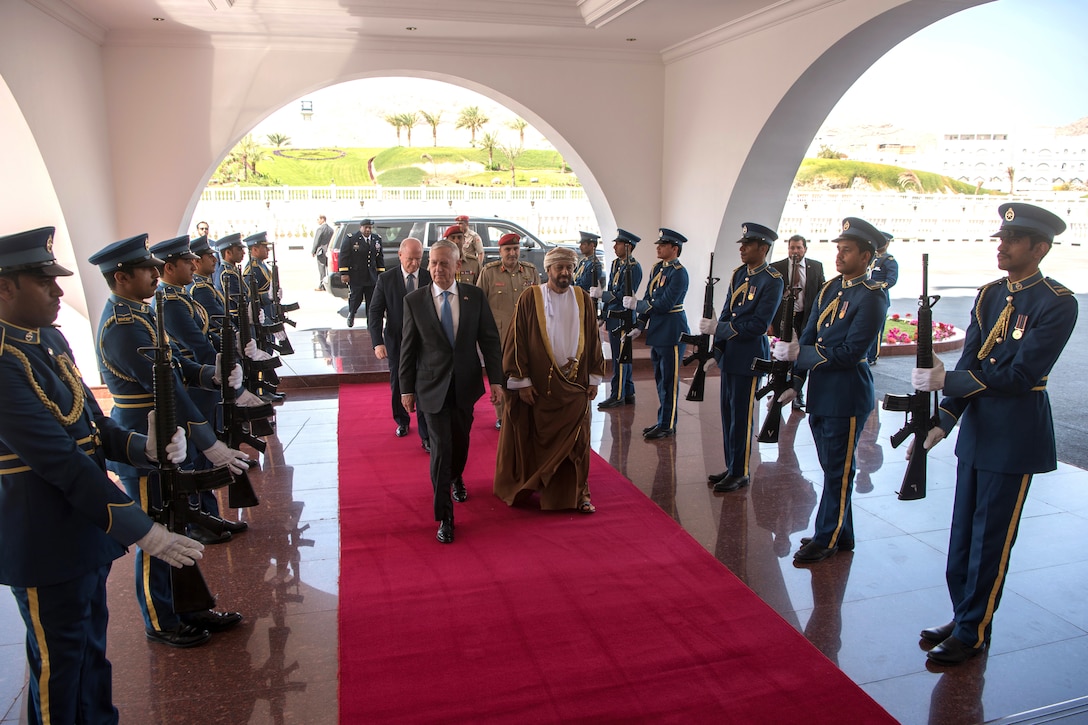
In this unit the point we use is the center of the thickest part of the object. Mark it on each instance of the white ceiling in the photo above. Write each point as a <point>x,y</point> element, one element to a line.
<point>655,25</point>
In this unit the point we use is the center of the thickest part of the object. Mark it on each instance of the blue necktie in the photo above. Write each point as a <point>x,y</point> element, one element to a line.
<point>447,316</point>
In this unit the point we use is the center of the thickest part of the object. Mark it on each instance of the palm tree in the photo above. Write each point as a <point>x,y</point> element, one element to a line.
<point>1011,171</point>
<point>278,140</point>
<point>396,121</point>
<point>519,125</point>
<point>472,119</point>
<point>432,120</point>
<point>512,153</point>
<point>248,153</point>
<point>489,142</point>
<point>410,120</point>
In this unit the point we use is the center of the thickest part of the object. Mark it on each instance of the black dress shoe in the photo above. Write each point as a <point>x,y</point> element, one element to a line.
<point>233,527</point>
<point>842,546</point>
<point>629,400</point>
<point>207,537</point>
<point>181,636</point>
<point>812,552</point>
<point>938,634</point>
<point>730,484</point>
<point>657,433</point>
<point>651,428</point>
<point>460,495</point>
<point>351,320</point>
<point>611,403</point>
<point>426,444</point>
<point>498,425</point>
<point>953,652</point>
<point>717,477</point>
<point>402,430</point>
<point>445,532</point>
<point>212,620</point>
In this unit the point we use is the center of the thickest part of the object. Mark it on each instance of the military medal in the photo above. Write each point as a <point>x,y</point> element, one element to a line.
<point>845,306</point>
<point>751,293</point>
<point>1021,323</point>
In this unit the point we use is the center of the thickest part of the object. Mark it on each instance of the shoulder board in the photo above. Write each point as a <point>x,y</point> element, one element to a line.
<point>1057,288</point>
<point>735,270</point>
<point>122,313</point>
<point>528,265</point>
<point>889,258</point>
<point>3,334</point>
<point>773,272</point>
<point>676,263</point>
<point>873,284</point>
<point>991,284</point>
<point>170,293</point>
<point>493,263</point>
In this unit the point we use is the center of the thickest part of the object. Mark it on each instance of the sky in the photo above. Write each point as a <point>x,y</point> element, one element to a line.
<point>1002,66</point>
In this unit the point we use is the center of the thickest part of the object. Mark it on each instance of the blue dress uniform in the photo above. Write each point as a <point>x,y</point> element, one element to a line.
<point>884,270</point>
<point>844,320</point>
<point>62,521</point>
<point>126,326</point>
<point>623,385</point>
<point>228,275</point>
<point>661,314</point>
<point>256,269</point>
<point>203,290</point>
<point>589,272</point>
<point>997,393</point>
<point>740,338</point>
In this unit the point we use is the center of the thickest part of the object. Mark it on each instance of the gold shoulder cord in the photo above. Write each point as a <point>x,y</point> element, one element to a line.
<point>68,374</point>
<point>1000,329</point>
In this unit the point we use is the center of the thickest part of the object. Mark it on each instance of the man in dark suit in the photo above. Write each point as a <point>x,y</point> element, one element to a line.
<point>440,371</point>
<point>361,261</point>
<point>806,277</point>
<point>385,320</point>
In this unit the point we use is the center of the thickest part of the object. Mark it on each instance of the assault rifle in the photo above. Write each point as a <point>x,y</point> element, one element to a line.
<point>190,591</point>
<point>920,407</point>
<point>239,423</point>
<point>257,373</point>
<point>626,317</point>
<point>280,310</point>
<point>703,344</point>
<point>597,282</point>
<point>265,331</point>
<point>781,375</point>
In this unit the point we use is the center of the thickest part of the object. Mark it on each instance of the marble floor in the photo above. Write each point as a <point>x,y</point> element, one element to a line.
<point>863,610</point>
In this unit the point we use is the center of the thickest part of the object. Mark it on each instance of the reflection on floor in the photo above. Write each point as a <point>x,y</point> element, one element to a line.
<point>863,610</point>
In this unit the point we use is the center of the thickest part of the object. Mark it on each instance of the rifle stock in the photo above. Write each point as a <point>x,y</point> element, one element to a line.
<point>920,407</point>
<point>235,431</point>
<point>780,371</point>
<point>702,345</point>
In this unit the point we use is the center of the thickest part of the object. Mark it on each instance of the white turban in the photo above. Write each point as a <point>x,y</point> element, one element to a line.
<point>559,254</point>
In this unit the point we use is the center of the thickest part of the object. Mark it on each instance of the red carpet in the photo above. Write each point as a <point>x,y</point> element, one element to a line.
<point>557,617</point>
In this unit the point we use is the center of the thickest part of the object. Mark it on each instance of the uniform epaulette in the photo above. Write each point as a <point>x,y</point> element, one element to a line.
<point>676,263</point>
<point>493,263</point>
<point>1000,280</point>
<point>122,313</point>
<point>734,272</point>
<point>3,334</point>
<point>170,293</point>
<point>530,265</point>
<point>775,274</point>
<point>873,284</point>
<point>1057,288</point>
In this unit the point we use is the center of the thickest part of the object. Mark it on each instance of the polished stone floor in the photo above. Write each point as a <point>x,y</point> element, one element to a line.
<point>863,609</point>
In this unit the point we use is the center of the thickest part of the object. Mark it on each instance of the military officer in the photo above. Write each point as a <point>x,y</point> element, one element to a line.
<point>997,393</point>
<point>228,273</point>
<point>361,261</point>
<point>62,520</point>
<point>470,266</point>
<point>257,269</point>
<point>661,315</point>
<point>740,336</point>
<point>202,289</point>
<point>127,325</point>
<point>474,246</point>
<point>625,276</point>
<point>848,312</point>
<point>589,272</point>
<point>884,270</point>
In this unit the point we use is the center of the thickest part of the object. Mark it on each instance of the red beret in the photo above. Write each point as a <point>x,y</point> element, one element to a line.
<point>509,239</point>
<point>462,218</point>
<point>450,231</point>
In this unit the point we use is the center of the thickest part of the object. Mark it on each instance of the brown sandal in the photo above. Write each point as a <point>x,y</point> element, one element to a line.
<point>587,508</point>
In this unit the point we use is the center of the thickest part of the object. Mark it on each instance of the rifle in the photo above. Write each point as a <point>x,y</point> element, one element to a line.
<point>703,344</point>
<point>920,407</point>
<point>265,331</point>
<point>781,375</point>
<point>238,423</point>
<point>190,591</point>
<point>626,317</point>
<point>597,281</point>
<point>279,310</point>
<point>256,372</point>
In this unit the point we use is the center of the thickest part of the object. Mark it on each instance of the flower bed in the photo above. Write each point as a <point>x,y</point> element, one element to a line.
<point>901,335</point>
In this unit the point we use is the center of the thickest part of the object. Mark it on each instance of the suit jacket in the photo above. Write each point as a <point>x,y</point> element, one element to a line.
<point>814,282</point>
<point>385,315</point>
<point>428,364</point>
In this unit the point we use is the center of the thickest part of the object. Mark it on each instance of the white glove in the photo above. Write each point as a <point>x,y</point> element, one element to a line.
<point>634,333</point>
<point>595,292</point>
<point>255,353</point>
<point>279,336</point>
<point>786,350</point>
<point>708,326</point>
<point>175,549</point>
<point>247,399</point>
<point>928,379</point>
<point>630,302</point>
<point>235,378</point>
<point>260,316</point>
<point>176,449</point>
<point>935,435</point>
<point>220,455</point>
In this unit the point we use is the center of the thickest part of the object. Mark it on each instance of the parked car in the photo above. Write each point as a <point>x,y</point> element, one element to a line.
<point>429,229</point>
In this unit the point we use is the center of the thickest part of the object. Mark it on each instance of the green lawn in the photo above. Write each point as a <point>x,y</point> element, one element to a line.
<point>349,170</point>
<point>841,173</point>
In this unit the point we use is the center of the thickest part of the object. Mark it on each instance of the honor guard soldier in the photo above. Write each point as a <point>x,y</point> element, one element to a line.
<point>361,261</point>
<point>623,386</point>
<point>202,289</point>
<point>589,272</point>
<point>884,270</point>
<point>470,266</point>
<point>997,393</point>
<point>661,315</point>
<point>503,281</point>
<point>62,520</point>
<point>848,313</point>
<point>228,273</point>
<point>127,326</point>
<point>740,336</point>
<point>257,269</point>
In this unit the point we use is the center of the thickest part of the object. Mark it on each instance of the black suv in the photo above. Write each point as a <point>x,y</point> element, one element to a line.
<point>430,229</point>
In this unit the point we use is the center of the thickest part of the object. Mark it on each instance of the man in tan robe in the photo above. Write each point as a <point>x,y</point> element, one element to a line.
<point>553,362</point>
